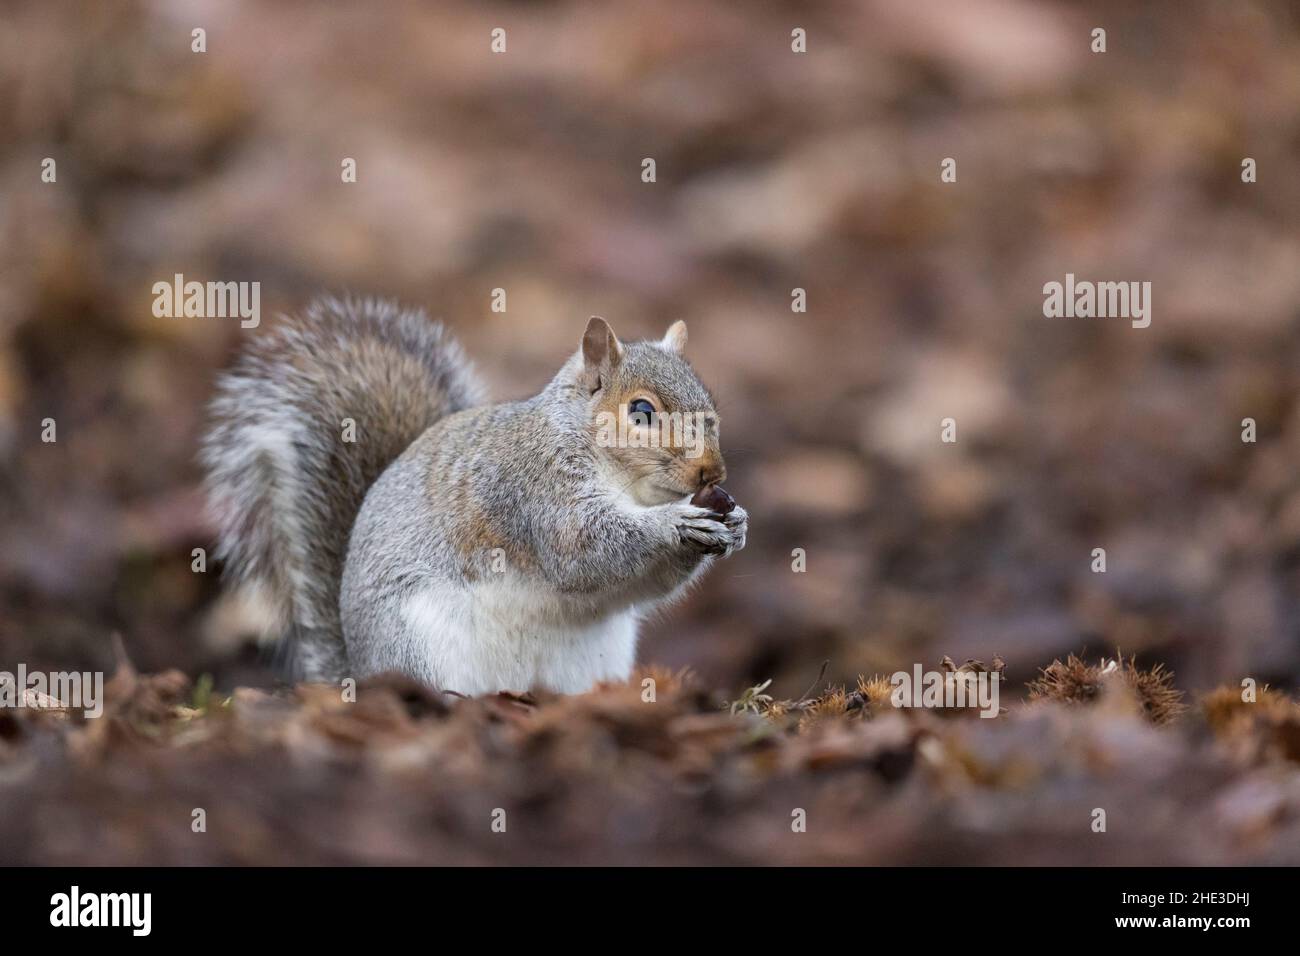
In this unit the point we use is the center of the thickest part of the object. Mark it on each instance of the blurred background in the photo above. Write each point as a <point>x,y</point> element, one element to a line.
<point>775,171</point>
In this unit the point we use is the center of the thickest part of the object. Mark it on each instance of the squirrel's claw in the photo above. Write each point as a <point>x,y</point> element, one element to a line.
<point>738,522</point>
<point>709,533</point>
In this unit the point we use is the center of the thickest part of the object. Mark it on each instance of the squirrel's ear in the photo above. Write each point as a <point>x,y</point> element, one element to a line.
<point>675,338</point>
<point>601,350</point>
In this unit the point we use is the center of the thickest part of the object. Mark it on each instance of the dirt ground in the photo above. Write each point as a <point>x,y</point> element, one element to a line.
<point>776,171</point>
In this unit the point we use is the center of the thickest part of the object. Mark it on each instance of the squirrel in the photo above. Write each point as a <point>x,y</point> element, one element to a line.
<point>398,523</point>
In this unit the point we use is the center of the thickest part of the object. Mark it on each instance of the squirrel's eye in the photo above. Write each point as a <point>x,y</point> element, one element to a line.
<point>640,412</point>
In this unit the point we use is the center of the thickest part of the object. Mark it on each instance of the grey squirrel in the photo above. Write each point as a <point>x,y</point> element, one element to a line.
<point>475,547</point>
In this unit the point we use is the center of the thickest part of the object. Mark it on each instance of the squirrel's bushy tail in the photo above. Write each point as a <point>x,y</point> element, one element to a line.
<point>302,425</point>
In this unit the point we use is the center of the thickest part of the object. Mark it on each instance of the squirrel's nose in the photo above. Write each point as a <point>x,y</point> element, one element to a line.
<point>713,473</point>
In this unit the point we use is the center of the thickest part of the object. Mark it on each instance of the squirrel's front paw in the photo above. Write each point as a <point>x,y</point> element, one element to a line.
<point>703,531</point>
<point>738,523</point>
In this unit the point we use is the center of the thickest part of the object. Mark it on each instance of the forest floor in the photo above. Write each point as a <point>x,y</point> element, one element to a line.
<point>1091,764</point>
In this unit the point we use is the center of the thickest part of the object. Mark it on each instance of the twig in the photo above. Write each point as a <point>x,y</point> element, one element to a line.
<point>820,674</point>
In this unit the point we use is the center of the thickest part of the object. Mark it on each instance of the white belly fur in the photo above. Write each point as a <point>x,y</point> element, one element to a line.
<point>506,635</point>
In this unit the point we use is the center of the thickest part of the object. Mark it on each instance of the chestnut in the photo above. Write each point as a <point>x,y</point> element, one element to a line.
<point>715,498</point>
